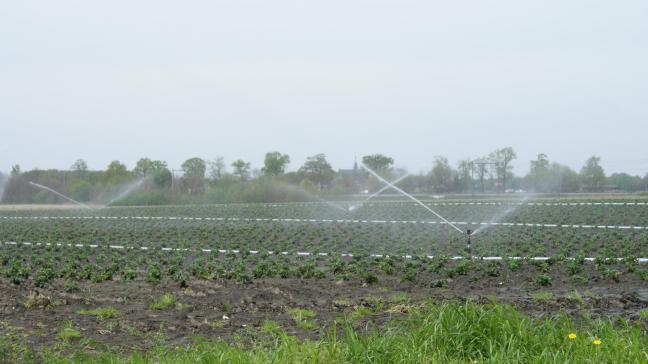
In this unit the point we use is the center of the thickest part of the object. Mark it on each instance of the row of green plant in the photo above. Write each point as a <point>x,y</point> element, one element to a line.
<point>393,210</point>
<point>355,238</point>
<point>42,266</point>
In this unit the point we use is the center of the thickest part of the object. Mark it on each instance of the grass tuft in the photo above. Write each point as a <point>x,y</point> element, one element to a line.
<point>163,302</point>
<point>101,313</point>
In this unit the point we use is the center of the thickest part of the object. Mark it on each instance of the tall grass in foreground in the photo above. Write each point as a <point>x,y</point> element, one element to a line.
<point>435,333</point>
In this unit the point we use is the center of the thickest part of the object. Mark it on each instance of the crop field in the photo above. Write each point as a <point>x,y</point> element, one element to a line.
<point>128,276</point>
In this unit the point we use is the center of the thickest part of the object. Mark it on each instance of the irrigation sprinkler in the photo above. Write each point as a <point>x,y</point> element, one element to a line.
<point>468,242</point>
<point>445,221</point>
<point>383,189</point>
<point>60,195</point>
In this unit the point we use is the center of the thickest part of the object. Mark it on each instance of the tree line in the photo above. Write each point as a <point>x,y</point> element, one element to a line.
<point>214,180</point>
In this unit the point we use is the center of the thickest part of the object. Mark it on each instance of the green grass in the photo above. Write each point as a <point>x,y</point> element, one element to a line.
<point>400,297</point>
<point>644,313</point>
<point>101,313</point>
<point>360,313</point>
<point>69,332</point>
<point>299,314</point>
<point>302,318</point>
<point>163,302</point>
<point>434,333</point>
<point>542,296</point>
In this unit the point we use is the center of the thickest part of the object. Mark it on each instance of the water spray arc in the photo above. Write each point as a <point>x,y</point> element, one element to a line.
<point>59,194</point>
<point>330,203</point>
<point>411,198</point>
<point>383,189</point>
<point>126,190</point>
<point>499,217</point>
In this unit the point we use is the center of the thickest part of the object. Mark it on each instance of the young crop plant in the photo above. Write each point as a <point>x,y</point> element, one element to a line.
<point>336,266</point>
<point>437,263</point>
<point>409,275</point>
<point>542,280</point>
<point>369,278</point>
<point>261,270</point>
<point>181,278</point>
<point>630,263</point>
<point>154,274</point>
<point>494,269</point>
<point>72,287</point>
<point>310,270</point>
<point>609,273</point>
<point>643,274</point>
<point>573,267</point>
<point>128,274</point>
<point>44,276</point>
<point>387,266</point>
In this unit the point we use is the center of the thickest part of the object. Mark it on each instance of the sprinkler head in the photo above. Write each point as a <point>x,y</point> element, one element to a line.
<point>469,232</point>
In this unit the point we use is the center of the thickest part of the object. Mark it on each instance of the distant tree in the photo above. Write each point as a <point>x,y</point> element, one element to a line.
<point>241,169</point>
<point>15,170</point>
<point>564,179</point>
<point>194,168</point>
<point>80,166</point>
<point>539,173</point>
<point>482,168</point>
<point>275,164</point>
<point>464,174</point>
<point>160,176</point>
<point>503,158</point>
<point>216,168</point>
<point>441,174</point>
<point>378,162</point>
<point>593,174</point>
<point>116,173</point>
<point>145,167</point>
<point>194,174</point>
<point>81,190</point>
<point>626,182</point>
<point>318,170</point>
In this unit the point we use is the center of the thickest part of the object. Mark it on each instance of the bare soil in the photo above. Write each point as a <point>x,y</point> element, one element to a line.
<point>230,311</point>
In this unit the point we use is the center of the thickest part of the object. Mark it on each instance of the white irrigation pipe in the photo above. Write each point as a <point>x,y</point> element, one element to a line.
<point>342,221</point>
<point>270,252</point>
<point>308,204</point>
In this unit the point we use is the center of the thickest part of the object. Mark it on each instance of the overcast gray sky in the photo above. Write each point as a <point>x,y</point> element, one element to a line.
<point>411,79</point>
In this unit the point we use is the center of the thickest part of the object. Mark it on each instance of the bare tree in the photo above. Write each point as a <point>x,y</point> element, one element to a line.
<point>216,168</point>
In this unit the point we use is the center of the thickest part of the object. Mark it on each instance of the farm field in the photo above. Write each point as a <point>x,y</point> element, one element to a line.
<point>132,277</point>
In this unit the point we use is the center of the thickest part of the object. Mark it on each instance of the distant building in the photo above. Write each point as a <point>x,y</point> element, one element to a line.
<point>354,178</point>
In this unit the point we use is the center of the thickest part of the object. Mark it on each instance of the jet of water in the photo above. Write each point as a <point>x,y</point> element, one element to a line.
<point>383,189</point>
<point>126,190</point>
<point>308,195</point>
<point>60,194</point>
<point>499,217</point>
<point>411,198</point>
<point>330,203</point>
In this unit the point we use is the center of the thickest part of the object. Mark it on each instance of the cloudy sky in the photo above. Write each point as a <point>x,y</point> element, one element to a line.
<point>411,79</point>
